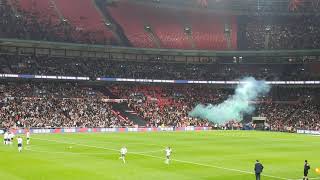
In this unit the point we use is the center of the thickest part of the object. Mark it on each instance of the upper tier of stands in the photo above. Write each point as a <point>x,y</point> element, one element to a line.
<point>85,17</point>
<point>207,30</point>
<point>293,32</point>
<point>86,22</point>
<point>134,26</point>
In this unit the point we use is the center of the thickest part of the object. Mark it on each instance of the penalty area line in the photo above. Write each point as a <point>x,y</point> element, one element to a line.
<point>176,160</point>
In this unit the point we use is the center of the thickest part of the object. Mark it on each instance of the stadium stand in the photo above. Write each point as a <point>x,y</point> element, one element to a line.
<point>151,26</point>
<point>55,105</point>
<point>90,22</point>
<point>43,104</point>
<point>208,31</point>
<point>43,10</point>
<point>299,32</point>
<point>153,70</point>
<point>169,26</point>
<point>134,27</point>
<point>55,21</point>
<point>168,105</point>
<point>17,23</point>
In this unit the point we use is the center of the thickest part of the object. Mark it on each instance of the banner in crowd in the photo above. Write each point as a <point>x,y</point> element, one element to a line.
<point>114,100</point>
<point>29,76</point>
<point>107,130</point>
<point>308,132</point>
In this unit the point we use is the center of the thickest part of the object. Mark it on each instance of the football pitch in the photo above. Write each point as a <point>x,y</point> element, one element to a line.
<point>221,155</point>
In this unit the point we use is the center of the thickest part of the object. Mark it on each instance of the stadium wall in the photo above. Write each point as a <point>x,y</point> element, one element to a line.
<point>105,130</point>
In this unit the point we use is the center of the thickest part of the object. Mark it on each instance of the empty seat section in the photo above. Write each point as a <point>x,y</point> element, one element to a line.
<point>85,17</point>
<point>43,9</point>
<point>208,31</point>
<point>168,27</point>
<point>234,32</point>
<point>130,17</point>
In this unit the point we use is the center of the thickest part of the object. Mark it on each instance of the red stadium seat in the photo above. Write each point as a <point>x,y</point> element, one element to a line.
<point>42,9</point>
<point>133,26</point>
<point>83,15</point>
<point>168,26</point>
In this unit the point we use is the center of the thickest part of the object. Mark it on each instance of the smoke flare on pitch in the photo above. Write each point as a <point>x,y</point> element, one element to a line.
<point>232,109</point>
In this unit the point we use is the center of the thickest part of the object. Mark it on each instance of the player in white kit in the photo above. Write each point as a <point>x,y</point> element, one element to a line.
<point>28,137</point>
<point>168,154</point>
<point>123,152</point>
<point>5,138</point>
<point>11,136</point>
<point>19,143</point>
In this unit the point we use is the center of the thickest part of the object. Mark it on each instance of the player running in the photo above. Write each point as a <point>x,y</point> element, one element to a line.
<point>28,137</point>
<point>5,138</point>
<point>123,152</point>
<point>168,151</point>
<point>19,143</point>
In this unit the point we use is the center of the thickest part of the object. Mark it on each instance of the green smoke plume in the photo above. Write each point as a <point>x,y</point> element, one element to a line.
<point>232,109</point>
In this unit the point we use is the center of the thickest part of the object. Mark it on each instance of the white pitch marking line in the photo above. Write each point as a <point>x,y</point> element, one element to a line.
<point>28,148</point>
<point>187,162</point>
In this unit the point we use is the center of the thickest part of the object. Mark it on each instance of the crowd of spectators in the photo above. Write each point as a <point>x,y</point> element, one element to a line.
<point>44,104</point>
<point>71,105</point>
<point>291,116</point>
<point>10,64</point>
<point>168,105</point>
<point>55,105</point>
<point>277,114</point>
<point>296,32</point>
<point>286,109</point>
<point>306,116</point>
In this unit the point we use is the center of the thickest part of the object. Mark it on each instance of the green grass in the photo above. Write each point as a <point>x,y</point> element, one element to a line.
<point>222,155</point>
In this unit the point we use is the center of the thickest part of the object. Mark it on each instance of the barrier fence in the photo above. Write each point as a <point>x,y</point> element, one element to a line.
<point>123,130</point>
<point>105,130</point>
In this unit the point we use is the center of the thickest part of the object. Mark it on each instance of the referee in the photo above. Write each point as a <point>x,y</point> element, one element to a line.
<point>258,167</point>
<point>306,170</point>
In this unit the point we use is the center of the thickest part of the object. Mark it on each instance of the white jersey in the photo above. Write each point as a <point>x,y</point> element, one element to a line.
<point>123,151</point>
<point>20,140</point>
<point>11,136</point>
<point>168,152</point>
<point>6,135</point>
<point>28,134</point>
